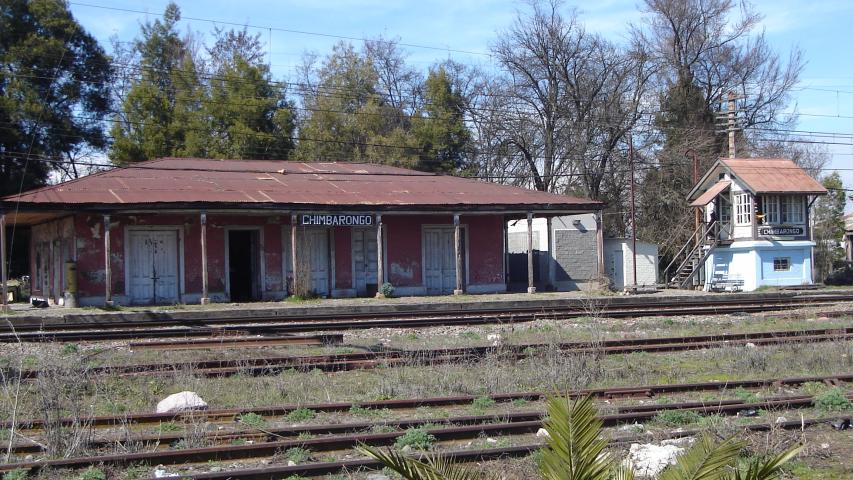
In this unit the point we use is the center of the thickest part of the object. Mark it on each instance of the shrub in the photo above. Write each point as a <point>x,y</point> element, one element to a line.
<point>387,290</point>
<point>416,438</point>
<point>16,474</point>
<point>253,420</point>
<point>297,454</point>
<point>70,349</point>
<point>169,427</point>
<point>482,403</point>
<point>301,415</point>
<point>676,417</point>
<point>93,474</point>
<point>834,399</point>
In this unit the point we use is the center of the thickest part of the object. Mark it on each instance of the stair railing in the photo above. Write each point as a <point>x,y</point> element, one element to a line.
<point>695,236</point>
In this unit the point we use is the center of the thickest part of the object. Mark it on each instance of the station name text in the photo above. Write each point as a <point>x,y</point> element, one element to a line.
<point>336,220</point>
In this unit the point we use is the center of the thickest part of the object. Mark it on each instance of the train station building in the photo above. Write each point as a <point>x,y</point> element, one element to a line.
<point>179,230</point>
<point>757,228</point>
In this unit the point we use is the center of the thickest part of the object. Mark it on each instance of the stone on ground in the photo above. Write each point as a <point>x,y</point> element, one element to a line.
<point>181,402</point>
<point>648,460</point>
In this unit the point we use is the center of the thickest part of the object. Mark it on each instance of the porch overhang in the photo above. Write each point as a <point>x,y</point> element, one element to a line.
<point>711,193</point>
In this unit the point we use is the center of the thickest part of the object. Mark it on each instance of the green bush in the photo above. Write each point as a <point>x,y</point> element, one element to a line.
<point>387,290</point>
<point>253,420</point>
<point>297,454</point>
<point>301,415</point>
<point>833,400</point>
<point>480,404</point>
<point>416,438</point>
<point>676,417</point>
<point>93,474</point>
<point>16,474</point>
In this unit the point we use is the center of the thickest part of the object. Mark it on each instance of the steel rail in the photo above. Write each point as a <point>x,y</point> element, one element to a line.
<point>363,360</point>
<point>521,424</point>
<point>231,414</point>
<point>467,455</point>
<point>280,323</point>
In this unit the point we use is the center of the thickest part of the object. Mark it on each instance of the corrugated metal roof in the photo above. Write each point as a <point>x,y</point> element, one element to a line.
<point>711,193</point>
<point>772,175</point>
<point>266,182</point>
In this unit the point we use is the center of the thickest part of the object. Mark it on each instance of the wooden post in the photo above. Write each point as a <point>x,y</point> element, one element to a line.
<point>108,274</point>
<point>457,237</point>
<point>205,293</point>
<point>3,271</point>
<point>380,257</point>
<point>531,288</point>
<point>552,270</point>
<point>599,240</point>
<point>293,260</point>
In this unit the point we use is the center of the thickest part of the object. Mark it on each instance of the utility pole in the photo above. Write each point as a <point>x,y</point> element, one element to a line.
<point>731,124</point>
<point>633,212</point>
<point>692,154</point>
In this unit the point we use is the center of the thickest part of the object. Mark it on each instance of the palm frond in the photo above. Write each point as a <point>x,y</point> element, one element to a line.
<point>436,467</point>
<point>623,471</point>
<point>574,449</point>
<point>768,469</point>
<point>705,461</point>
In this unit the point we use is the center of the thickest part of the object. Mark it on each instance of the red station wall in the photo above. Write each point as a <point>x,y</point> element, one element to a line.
<point>343,257</point>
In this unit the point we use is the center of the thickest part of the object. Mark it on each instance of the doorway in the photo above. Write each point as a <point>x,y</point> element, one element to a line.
<point>439,245</point>
<point>243,265</point>
<point>153,266</point>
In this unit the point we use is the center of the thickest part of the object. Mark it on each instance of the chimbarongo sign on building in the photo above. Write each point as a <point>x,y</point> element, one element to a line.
<point>320,220</point>
<point>781,231</point>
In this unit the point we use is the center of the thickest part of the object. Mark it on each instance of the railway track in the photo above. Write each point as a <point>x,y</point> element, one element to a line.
<point>161,325</point>
<point>232,414</point>
<point>386,358</point>
<point>449,429</point>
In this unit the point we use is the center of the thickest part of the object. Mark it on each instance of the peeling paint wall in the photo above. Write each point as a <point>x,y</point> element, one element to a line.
<point>51,245</point>
<point>485,245</point>
<point>343,257</point>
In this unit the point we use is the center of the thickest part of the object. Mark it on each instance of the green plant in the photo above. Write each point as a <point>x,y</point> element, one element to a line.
<point>301,415</point>
<point>252,420</point>
<point>416,438</point>
<point>833,400</point>
<point>297,477</point>
<point>239,441</point>
<point>575,450</point>
<point>678,417</point>
<point>297,454</point>
<point>813,388</point>
<point>480,404</point>
<point>745,395</point>
<point>70,349</point>
<point>169,427</point>
<point>387,290</point>
<point>16,474</point>
<point>92,474</point>
<point>520,402</point>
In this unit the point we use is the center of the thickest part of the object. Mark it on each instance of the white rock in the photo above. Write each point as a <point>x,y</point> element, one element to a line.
<point>824,446</point>
<point>407,449</point>
<point>491,440</point>
<point>493,336</point>
<point>160,473</point>
<point>291,463</point>
<point>649,459</point>
<point>632,427</point>
<point>750,345</point>
<point>378,476</point>
<point>679,442</point>
<point>781,419</point>
<point>181,402</point>
<point>542,433</point>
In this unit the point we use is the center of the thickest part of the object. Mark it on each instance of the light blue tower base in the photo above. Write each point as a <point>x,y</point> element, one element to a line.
<point>753,262</point>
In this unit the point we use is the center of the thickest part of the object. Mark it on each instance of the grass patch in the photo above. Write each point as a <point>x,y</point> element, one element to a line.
<point>253,420</point>
<point>481,404</point>
<point>92,474</point>
<point>416,439</point>
<point>745,395</point>
<point>675,418</point>
<point>301,415</point>
<point>833,400</point>
<point>297,455</point>
<point>16,474</point>
<point>169,427</point>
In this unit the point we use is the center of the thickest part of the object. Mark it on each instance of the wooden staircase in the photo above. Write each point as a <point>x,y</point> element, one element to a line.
<point>688,262</point>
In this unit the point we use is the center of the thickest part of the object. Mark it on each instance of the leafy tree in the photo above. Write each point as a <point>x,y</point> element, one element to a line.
<point>440,129</point>
<point>52,95</point>
<point>148,125</point>
<point>575,450</point>
<point>828,215</point>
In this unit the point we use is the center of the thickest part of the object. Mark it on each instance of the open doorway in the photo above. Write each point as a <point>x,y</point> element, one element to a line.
<point>244,265</point>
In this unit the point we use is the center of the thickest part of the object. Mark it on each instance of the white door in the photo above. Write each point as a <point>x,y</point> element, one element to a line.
<point>153,266</point>
<point>364,259</point>
<point>616,268</point>
<point>317,243</point>
<point>439,260</point>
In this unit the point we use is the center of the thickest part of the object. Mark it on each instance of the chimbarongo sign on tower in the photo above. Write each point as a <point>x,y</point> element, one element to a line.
<point>344,220</point>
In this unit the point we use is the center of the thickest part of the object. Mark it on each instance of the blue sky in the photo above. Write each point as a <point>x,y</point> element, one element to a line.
<point>820,28</point>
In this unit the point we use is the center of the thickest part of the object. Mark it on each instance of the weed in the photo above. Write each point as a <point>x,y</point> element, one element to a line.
<point>368,412</point>
<point>745,395</point>
<point>169,427</point>
<point>813,388</point>
<point>415,438</point>
<point>304,436</point>
<point>480,404</point>
<point>470,335</point>
<point>239,441</point>
<point>297,455</point>
<point>675,417</point>
<point>70,349</point>
<point>137,473</point>
<point>301,415</point>
<point>832,400</point>
<point>344,350</point>
<point>92,474</point>
<point>297,477</point>
<point>520,402</point>
<point>16,474</point>
<point>252,420</point>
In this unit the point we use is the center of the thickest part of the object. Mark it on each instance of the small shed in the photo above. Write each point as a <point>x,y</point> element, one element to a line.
<point>619,258</point>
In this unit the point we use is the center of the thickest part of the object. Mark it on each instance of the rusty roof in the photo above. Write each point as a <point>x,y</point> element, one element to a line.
<point>761,176</point>
<point>171,182</point>
<point>772,175</point>
<point>711,193</point>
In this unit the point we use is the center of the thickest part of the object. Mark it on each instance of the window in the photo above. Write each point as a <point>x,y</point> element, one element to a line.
<point>781,264</point>
<point>781,209</point>
<point>792,209</point>
<point>725,213</point>
<point>743,209</point>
